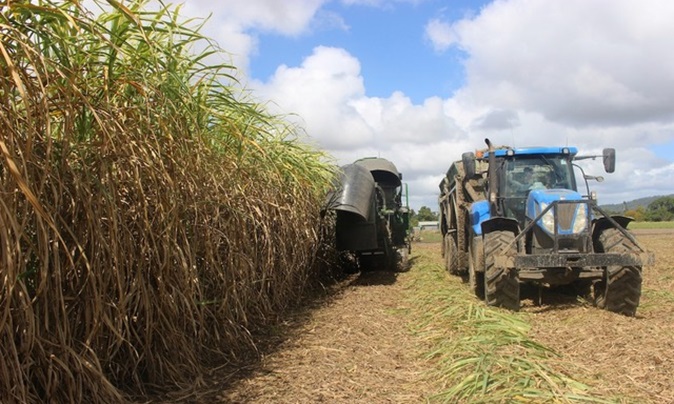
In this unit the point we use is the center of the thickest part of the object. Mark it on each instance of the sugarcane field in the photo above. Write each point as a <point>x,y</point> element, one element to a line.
<point>166,238</point>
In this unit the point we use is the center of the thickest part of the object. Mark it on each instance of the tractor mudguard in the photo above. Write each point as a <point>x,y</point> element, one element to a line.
<point>602,223</point>
<point>500,223</point>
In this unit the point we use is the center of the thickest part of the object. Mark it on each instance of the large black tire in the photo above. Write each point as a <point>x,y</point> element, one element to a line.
<point>443,245</point>
<point>402,263</point>
<point>476,267</point>
<point>620,289</point>
<point>451,255</point>
<point>501,285</point>
<point>348,262</point>
<point>460,237</point>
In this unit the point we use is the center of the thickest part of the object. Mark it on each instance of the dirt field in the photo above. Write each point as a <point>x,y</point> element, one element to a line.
<point>631,356</point>
<point>354,344</point>
<point>353,347</point>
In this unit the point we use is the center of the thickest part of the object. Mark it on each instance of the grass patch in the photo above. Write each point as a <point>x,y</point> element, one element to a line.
<point>655,299</point>
<point>480,354</point>
<point>429,236</point>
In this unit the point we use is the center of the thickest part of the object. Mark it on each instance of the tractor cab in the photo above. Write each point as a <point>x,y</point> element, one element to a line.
<point>521,171</point>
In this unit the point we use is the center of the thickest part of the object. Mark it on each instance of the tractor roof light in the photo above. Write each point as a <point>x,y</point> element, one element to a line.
<point>510,152</point>
<point>565,150</point>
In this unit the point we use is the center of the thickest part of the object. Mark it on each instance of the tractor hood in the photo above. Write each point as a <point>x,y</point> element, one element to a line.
<point>550,195</point>
<point>572,217</point>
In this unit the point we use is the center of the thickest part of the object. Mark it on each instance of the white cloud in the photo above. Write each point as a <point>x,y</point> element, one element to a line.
<point>327,91</point>
<point>397,119</point>
<point>321,91</point>
<point>580,63</point>
<point>326,20</point>
<point>591,74</point>
<point>441,34</point>
<point>235,24</point>
<point>288,17</point>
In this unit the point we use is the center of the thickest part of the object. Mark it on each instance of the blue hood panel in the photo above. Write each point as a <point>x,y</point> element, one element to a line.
<point>547,196</point>
<point>479,212</point>
<point>551,195</point>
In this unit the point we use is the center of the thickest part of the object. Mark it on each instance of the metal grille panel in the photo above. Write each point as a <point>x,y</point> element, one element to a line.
<point>565,214</point>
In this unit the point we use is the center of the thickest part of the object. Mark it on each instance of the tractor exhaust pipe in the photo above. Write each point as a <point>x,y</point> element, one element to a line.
<point>492,180</point>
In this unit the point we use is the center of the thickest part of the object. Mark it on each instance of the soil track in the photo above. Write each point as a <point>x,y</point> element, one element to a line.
<point>355,346</point>
<point>629,356</point>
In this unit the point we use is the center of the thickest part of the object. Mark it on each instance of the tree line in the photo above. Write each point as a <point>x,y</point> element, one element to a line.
<point>660,210</point>
<point>425,214</point>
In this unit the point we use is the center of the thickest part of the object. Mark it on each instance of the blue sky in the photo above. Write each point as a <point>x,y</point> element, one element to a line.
<point>421,81</point>
<point>664,151</point>
<point>389,42</point>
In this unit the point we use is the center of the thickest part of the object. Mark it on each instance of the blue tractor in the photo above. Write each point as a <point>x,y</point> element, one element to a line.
<point>518,216</point>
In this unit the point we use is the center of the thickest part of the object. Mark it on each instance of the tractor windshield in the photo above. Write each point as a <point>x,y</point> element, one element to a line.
<point>526,173</point>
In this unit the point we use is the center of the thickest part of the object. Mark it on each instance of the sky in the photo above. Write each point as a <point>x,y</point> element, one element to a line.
<point>419,82</point>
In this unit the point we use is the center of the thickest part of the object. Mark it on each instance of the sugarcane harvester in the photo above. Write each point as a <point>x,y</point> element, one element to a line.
<point>515,216</point>
<point>372,221</point>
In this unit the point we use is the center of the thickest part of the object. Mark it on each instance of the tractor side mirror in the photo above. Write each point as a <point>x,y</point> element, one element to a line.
<point>468,160</point>
<point>609,160</point>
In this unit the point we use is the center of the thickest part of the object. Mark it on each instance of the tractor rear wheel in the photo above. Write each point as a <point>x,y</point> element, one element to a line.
<point>501,285</point>
<point>620,289</point>
<point>476,267</point>
<point>402,260</point>
<point>451,255</point>
<point>348,262</point>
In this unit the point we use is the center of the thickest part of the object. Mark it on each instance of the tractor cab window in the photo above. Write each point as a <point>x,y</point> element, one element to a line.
<point>526,174</point>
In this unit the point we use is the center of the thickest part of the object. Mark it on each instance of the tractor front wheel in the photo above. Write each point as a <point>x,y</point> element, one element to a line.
<point>619,290</point>
<point>501,285</point>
